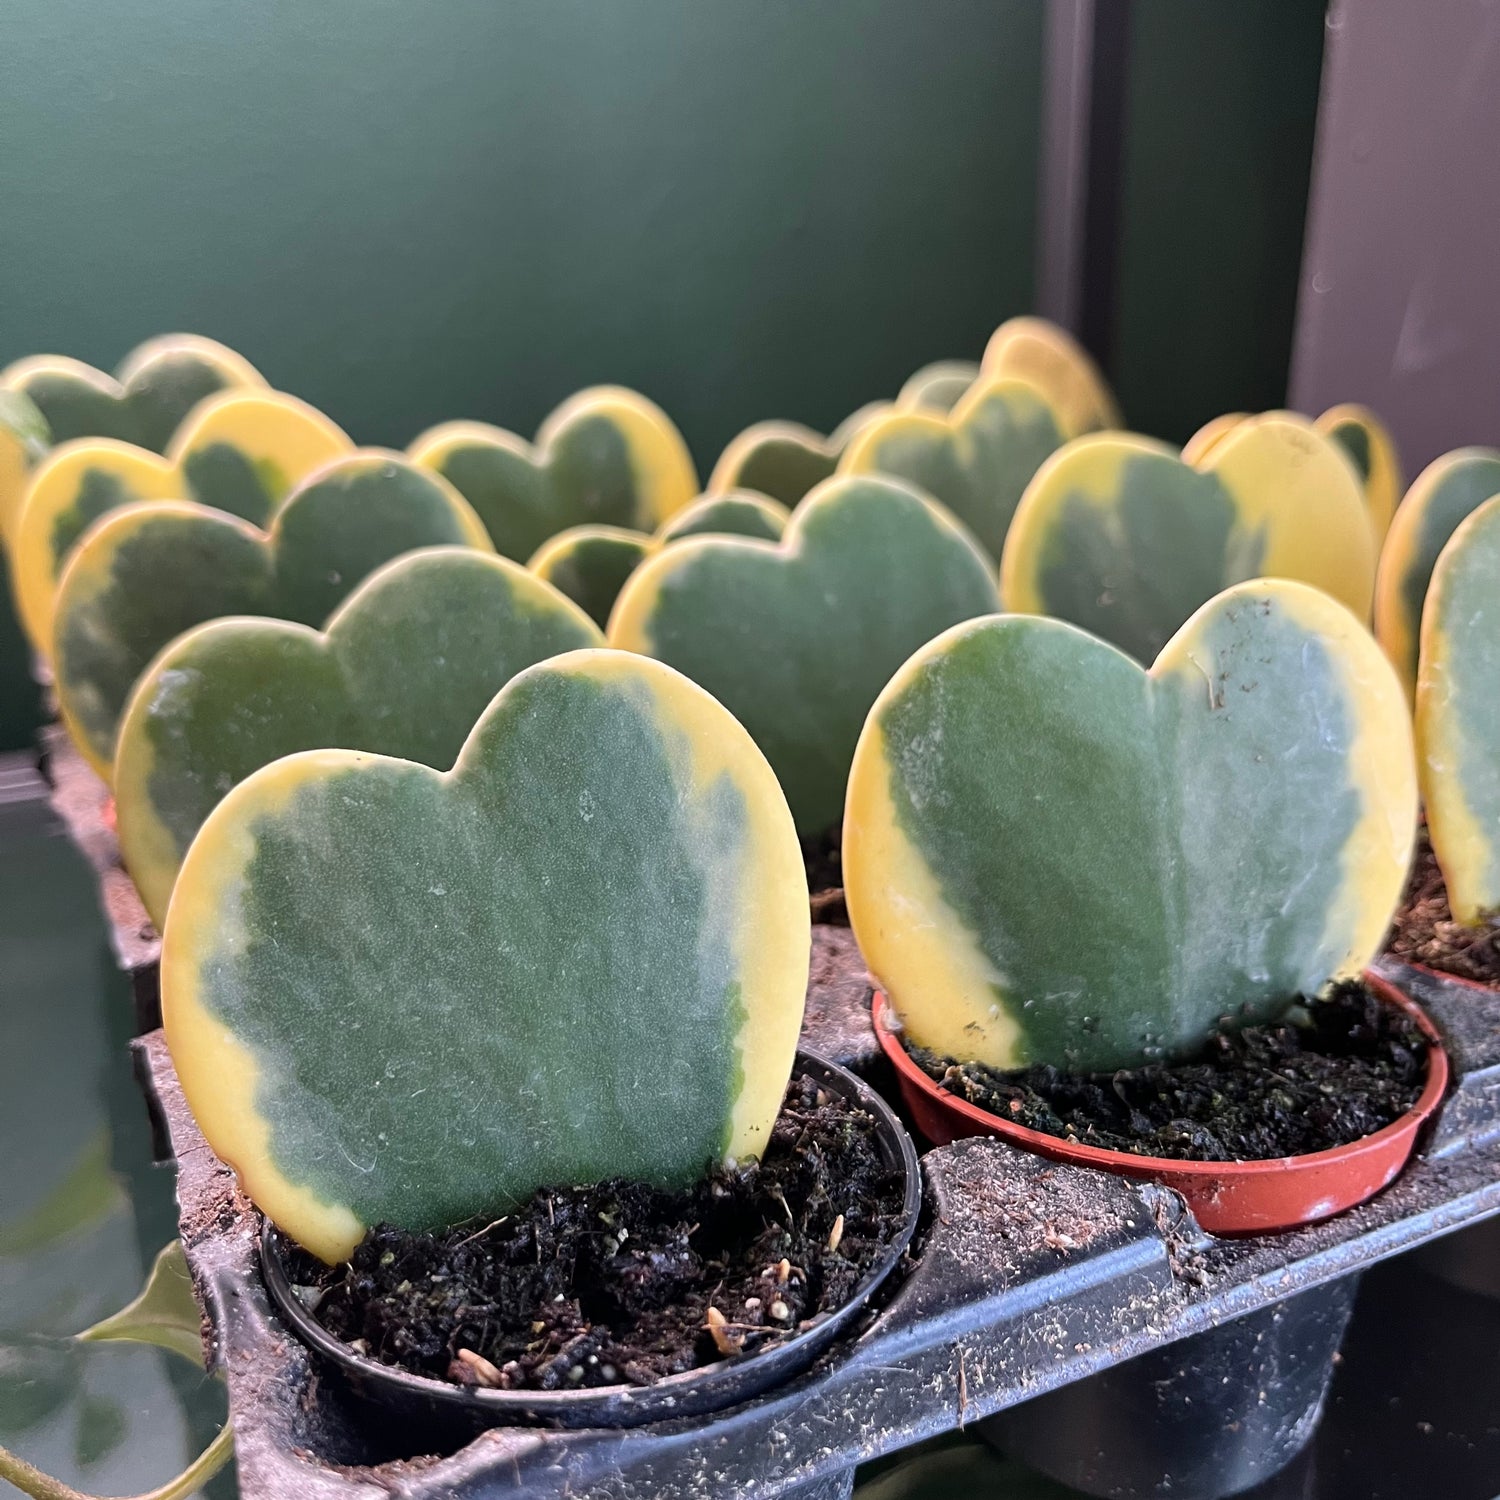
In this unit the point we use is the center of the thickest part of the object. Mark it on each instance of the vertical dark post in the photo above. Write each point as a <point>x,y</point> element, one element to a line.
<point>1083,144</point>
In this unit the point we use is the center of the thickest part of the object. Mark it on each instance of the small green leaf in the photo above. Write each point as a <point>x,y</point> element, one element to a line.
<point>939,386</point>
<point>165,1313</point>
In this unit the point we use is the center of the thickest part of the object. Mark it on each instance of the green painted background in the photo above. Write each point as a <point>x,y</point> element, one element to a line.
<point>412,210</point>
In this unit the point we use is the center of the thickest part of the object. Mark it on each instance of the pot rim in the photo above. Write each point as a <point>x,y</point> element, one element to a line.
<point>1443,974</point>
<point>1433,1091</point>
<point>701,1391</point>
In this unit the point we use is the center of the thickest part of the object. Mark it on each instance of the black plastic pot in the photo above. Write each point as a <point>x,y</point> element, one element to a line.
<point>1211,1416</point>
<point>452,1413</point>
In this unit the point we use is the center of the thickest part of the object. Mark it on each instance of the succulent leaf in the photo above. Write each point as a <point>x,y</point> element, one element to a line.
<point>405,668</point>
<point>797,638</point>
<point>1372,451</point>
<point>784,460</point>
<point>24,440</point>
<point>157,385</point>
<point>976,460</point>
<point>1035,350</point>
<point>394,993</point>
<point>1458,714</point>
<point>240,451</point>
<point>1053,855</point>
<point>1441,497</point>
<point>938,386</point>
<point>589,564</point>
<point>1119,535</point>
<point>605,457</point>
<point>146,573</point>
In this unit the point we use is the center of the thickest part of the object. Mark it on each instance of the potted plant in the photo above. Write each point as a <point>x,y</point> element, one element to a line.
<point>404,667</point>
<point>1119,534</point>
<point>504,1049</point>
<point>591,563</point>
<point>606,457</point>
<point>146,572</point>
<point>240,452</point>
<point>1063,868</point>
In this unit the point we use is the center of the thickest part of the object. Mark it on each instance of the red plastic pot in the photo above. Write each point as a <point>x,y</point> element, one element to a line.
<point>1228,1197</point>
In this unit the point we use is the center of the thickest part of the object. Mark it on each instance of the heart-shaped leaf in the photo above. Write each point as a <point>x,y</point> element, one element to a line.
<point>1119,535</point>
<point>939,386</point>
<point>1052,855</point>
<point>405,667</point>
<point>240,452</point>
<point>24,440</point>
<point>399,994</point>
<point>589,564</point>
<point>158,384</point>
<point>797,638</point>
<point>605,457</point>
<point>146,573</point>
<point>1458,714</point>
<point>1358,433</point>
<point>1441,497</point>
<point>1372,451</point>
<point>784,460</point>
<point>1035,350</point>
<point>977,460</point>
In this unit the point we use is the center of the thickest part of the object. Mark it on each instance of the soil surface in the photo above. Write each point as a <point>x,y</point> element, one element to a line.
<point>613,1284</point>
<point>1334,1071</point>
<point>822,853</point>
<point>1424,931</point>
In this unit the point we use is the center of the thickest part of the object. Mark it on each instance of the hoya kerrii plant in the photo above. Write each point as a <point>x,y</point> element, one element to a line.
<point>1458,732</point>
<point>147,572</point>
<point>1441,497</point>
<point>784,460</point>
<point>797,637</point>
<point>606,457</point>
<point>591,563</point>
<point>1119,534</point>
<point>157,384</point>
<point>408,996</point>
<point>1034,350</point>
<point>404,667</point>
<point>1364,439</point>
<point>976,460</point>
<point>240,452</point>
<point>1055,855</point>
<point>24,440</point>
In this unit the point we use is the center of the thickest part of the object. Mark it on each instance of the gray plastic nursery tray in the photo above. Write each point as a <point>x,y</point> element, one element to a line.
<point>1026,1276</point>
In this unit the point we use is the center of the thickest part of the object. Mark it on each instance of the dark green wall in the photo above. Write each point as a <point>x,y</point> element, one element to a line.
<point>1220,114</point>
<point>412,210</point>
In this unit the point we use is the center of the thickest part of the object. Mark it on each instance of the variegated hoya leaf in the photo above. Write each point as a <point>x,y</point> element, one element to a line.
<point>1119,535</point>
<point>938,386</point>
<point>605,457</point>
<point>148,572</point>
<point>784,460</point>
<point>157,385</point>
<point>24,440</point>
<point>1359,434</point>
<point>1441,497</point>
<point>1458,714</point>
<point>976,460</point>
<point>405,667</point>
<point>406,995</point>
<point>797,638</point>
<point>1053,855</point>
<point>1035,350</point>
<point>1372,451</point>
<point>241,452</point>
<point>590,564</point>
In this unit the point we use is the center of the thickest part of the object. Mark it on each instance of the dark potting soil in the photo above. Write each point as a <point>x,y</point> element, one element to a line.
<point>1346,1066</point>
<point>822,854</point>
<point>610,1284</point>
<point>1424,931</point>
